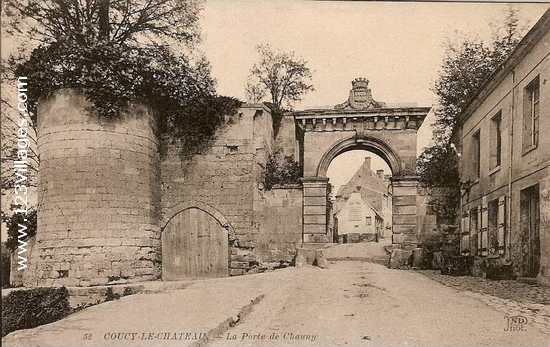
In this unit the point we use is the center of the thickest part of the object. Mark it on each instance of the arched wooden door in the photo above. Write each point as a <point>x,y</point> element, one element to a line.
<point>194,245</point>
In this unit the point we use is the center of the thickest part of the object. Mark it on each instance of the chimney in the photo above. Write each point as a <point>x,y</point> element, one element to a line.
<point>366,164</point>
<point>380,174</point>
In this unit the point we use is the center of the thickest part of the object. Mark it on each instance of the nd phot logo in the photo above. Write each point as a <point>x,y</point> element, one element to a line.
<point>515,323</point>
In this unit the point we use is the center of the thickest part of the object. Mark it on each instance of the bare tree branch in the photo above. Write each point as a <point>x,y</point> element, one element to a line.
<point>281,75</point>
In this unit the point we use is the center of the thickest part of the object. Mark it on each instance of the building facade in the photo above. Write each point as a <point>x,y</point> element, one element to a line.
<point>373,189</point>
<point>358,216</point>
<point>504,138</point>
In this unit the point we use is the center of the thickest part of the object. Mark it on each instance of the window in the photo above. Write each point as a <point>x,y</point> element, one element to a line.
<point>496,141</point>
<point>531,113</point>
<point>368,220</point>
<point>476,154</point>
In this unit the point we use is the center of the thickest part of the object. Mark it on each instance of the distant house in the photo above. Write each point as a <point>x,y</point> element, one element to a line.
<point>363,205</point>
<point>504,138</point>
<point>358,216</point>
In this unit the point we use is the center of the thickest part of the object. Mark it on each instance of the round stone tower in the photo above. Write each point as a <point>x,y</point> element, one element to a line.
<point>98,195</point>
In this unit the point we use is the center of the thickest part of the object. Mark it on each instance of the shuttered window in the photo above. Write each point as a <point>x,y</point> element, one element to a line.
<point>483,231</point>
<point>465,237</point>
<point>474,228</point>
<point>492,227</point>
<point>501,224</point>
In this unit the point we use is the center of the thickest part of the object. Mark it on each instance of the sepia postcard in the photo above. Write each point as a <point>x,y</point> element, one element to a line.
<point>275,173</point>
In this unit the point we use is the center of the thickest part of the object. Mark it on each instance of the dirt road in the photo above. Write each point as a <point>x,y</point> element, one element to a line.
<point>366,304</point>
<point>353,303</point>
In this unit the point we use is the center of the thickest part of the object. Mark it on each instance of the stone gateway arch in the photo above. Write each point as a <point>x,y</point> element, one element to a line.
<point>360,123</point>
<point>207,215</point>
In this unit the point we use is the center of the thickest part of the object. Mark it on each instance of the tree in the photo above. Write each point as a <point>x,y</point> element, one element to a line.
<point>8,136</point>
<point>13,224</point>
<point>438,166</point>
<point>144,53</point>
<point>156,22</point>
<point>9,150</point>
<point>281,75</point>
<point>469,61</point>
<point>117,52</point>
<point>280,170</point>
<point>8,178</point>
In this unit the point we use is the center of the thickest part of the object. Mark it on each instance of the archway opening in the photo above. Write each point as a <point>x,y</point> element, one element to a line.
<point>360,207</point>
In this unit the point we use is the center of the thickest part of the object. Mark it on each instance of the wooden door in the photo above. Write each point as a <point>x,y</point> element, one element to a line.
<point>530,231</point>
<point>194,245</point>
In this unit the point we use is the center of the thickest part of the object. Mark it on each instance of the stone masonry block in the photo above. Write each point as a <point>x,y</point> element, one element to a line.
<point>399,219</point>
<point>404,200</point>
<point>315,209</point>
<point>404,229</point>
<point>315,238</point>
<point>315,201</point>
<point>404,209</point>
<point>315,219</point>
<point>314,229</point>
<point>322,192</point>
<point>404,238</point>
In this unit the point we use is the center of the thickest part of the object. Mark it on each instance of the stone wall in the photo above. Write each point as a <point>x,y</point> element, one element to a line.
<point>98,219</point>
<point>434,212</point>
<point>226,177</point>
<point>427,223</point>
<point>278,213</point>
<point>286,140</point>
<point>220,177</point>
<point>438,224</point>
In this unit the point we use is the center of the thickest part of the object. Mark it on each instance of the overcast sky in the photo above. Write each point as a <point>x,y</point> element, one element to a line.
<point>397,46</point>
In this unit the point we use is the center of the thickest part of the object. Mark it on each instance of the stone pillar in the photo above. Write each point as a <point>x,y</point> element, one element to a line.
<point>315,210</point>
<point>405,227</point>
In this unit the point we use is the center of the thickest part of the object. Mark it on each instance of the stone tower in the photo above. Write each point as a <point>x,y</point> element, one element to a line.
<point>98,196</point>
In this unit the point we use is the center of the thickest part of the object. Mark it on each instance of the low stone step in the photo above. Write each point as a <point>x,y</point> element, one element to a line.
<point>377,260</point>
